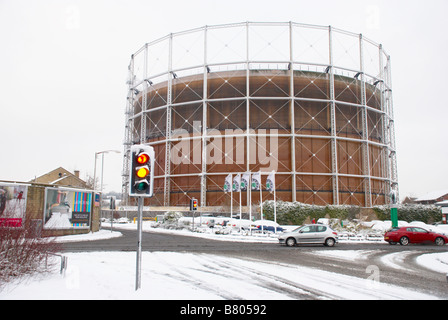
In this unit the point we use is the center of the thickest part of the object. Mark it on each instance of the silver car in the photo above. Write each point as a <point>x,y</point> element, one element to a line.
<point>310,233</point>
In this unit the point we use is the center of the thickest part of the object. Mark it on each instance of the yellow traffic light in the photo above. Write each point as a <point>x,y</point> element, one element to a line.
<point>142,172</point>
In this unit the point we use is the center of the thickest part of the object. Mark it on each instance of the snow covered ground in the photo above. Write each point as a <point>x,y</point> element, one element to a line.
<point>190,276</point>
<point>167,275</point>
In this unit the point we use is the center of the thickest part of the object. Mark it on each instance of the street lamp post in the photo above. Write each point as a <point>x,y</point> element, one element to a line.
<point>102,171</point>
<point>102,167</point>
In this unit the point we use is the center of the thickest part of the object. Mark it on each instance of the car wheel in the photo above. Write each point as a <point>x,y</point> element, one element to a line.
<point>290,242</point>
<point>439,241</point>
<point>404,241</point>
<point>329,242</point>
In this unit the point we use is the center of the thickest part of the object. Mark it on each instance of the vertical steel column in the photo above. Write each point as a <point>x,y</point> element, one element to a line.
<point>167,177</point>
<point>204,126</point>
<point>393,150</point>
<point>128,131</point>
<point>144,96</point>
<point>365,131</point>
<point>334,144</point>
<point>384,131</point>
<point>292,115</point>
<point>248,204</point>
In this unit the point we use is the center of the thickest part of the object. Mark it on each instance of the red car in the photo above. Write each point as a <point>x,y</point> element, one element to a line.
<point>406,235</point>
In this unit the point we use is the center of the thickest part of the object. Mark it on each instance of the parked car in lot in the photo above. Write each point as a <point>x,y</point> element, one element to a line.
<point>310,234</point>
<point>267,226</point>
<point>410,234</point>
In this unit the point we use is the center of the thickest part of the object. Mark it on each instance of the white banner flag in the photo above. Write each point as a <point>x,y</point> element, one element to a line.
<point>245,181</point>
<point>228,183</point>
<point>256,181</point>
<point>270,182</point>
<point>236,183</point>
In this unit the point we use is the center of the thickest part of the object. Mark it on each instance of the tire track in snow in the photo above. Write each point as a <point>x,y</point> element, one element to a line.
<point>236,278</point>
<point>211,267</point>
<point>295,289</point>
<point>398,269</point>
<point>238,274</point>
<point>186,277</point>
<point>319,284</point>
<point>400,261</point>
<point>270,282</point>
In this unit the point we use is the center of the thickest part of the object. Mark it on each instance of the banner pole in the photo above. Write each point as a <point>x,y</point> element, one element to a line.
<point>241,216</point>
<point>275,211</point>
<point>249,187</point>
<point>231,198</point>
<point>261,205</point>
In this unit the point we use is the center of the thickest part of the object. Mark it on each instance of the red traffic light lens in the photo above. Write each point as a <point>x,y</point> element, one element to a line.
<point>142,172</point>
<point>142,158</point>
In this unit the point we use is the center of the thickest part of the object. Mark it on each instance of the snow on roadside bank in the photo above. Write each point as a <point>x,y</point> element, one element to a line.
<point>91,236</point>
<point>435,261</point>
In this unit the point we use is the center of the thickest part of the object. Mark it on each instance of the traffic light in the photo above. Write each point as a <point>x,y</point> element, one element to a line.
<point>193,204</point>
<point>142,171</point>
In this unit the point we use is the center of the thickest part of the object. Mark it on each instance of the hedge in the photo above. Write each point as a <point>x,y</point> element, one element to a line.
<point>411,212</point>
<point>295,213</point>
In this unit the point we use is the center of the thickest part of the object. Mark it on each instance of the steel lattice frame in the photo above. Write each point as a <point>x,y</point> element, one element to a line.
<point>276,48</point>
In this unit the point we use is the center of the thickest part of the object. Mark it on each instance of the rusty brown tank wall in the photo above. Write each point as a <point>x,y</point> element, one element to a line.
<point>269,95</point>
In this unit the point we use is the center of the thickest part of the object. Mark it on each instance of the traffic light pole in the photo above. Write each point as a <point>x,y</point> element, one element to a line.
<point>141,184</point>
<point>138,278</point>
<point>193,208</point>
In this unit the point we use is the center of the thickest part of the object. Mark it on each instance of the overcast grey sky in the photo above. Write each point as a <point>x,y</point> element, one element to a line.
<point>63,68</point>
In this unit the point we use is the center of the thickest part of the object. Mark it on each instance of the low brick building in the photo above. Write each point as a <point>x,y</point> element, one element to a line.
<point>61,177</point>
<point>432,197</point>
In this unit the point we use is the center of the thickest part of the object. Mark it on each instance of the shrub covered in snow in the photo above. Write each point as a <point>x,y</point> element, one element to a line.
<point>411,212</point>
<point>296,212</point>
<point>171,220</point>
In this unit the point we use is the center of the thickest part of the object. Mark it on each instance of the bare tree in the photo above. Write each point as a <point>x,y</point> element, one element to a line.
<point>23,252</point>
<point>90,182</point>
